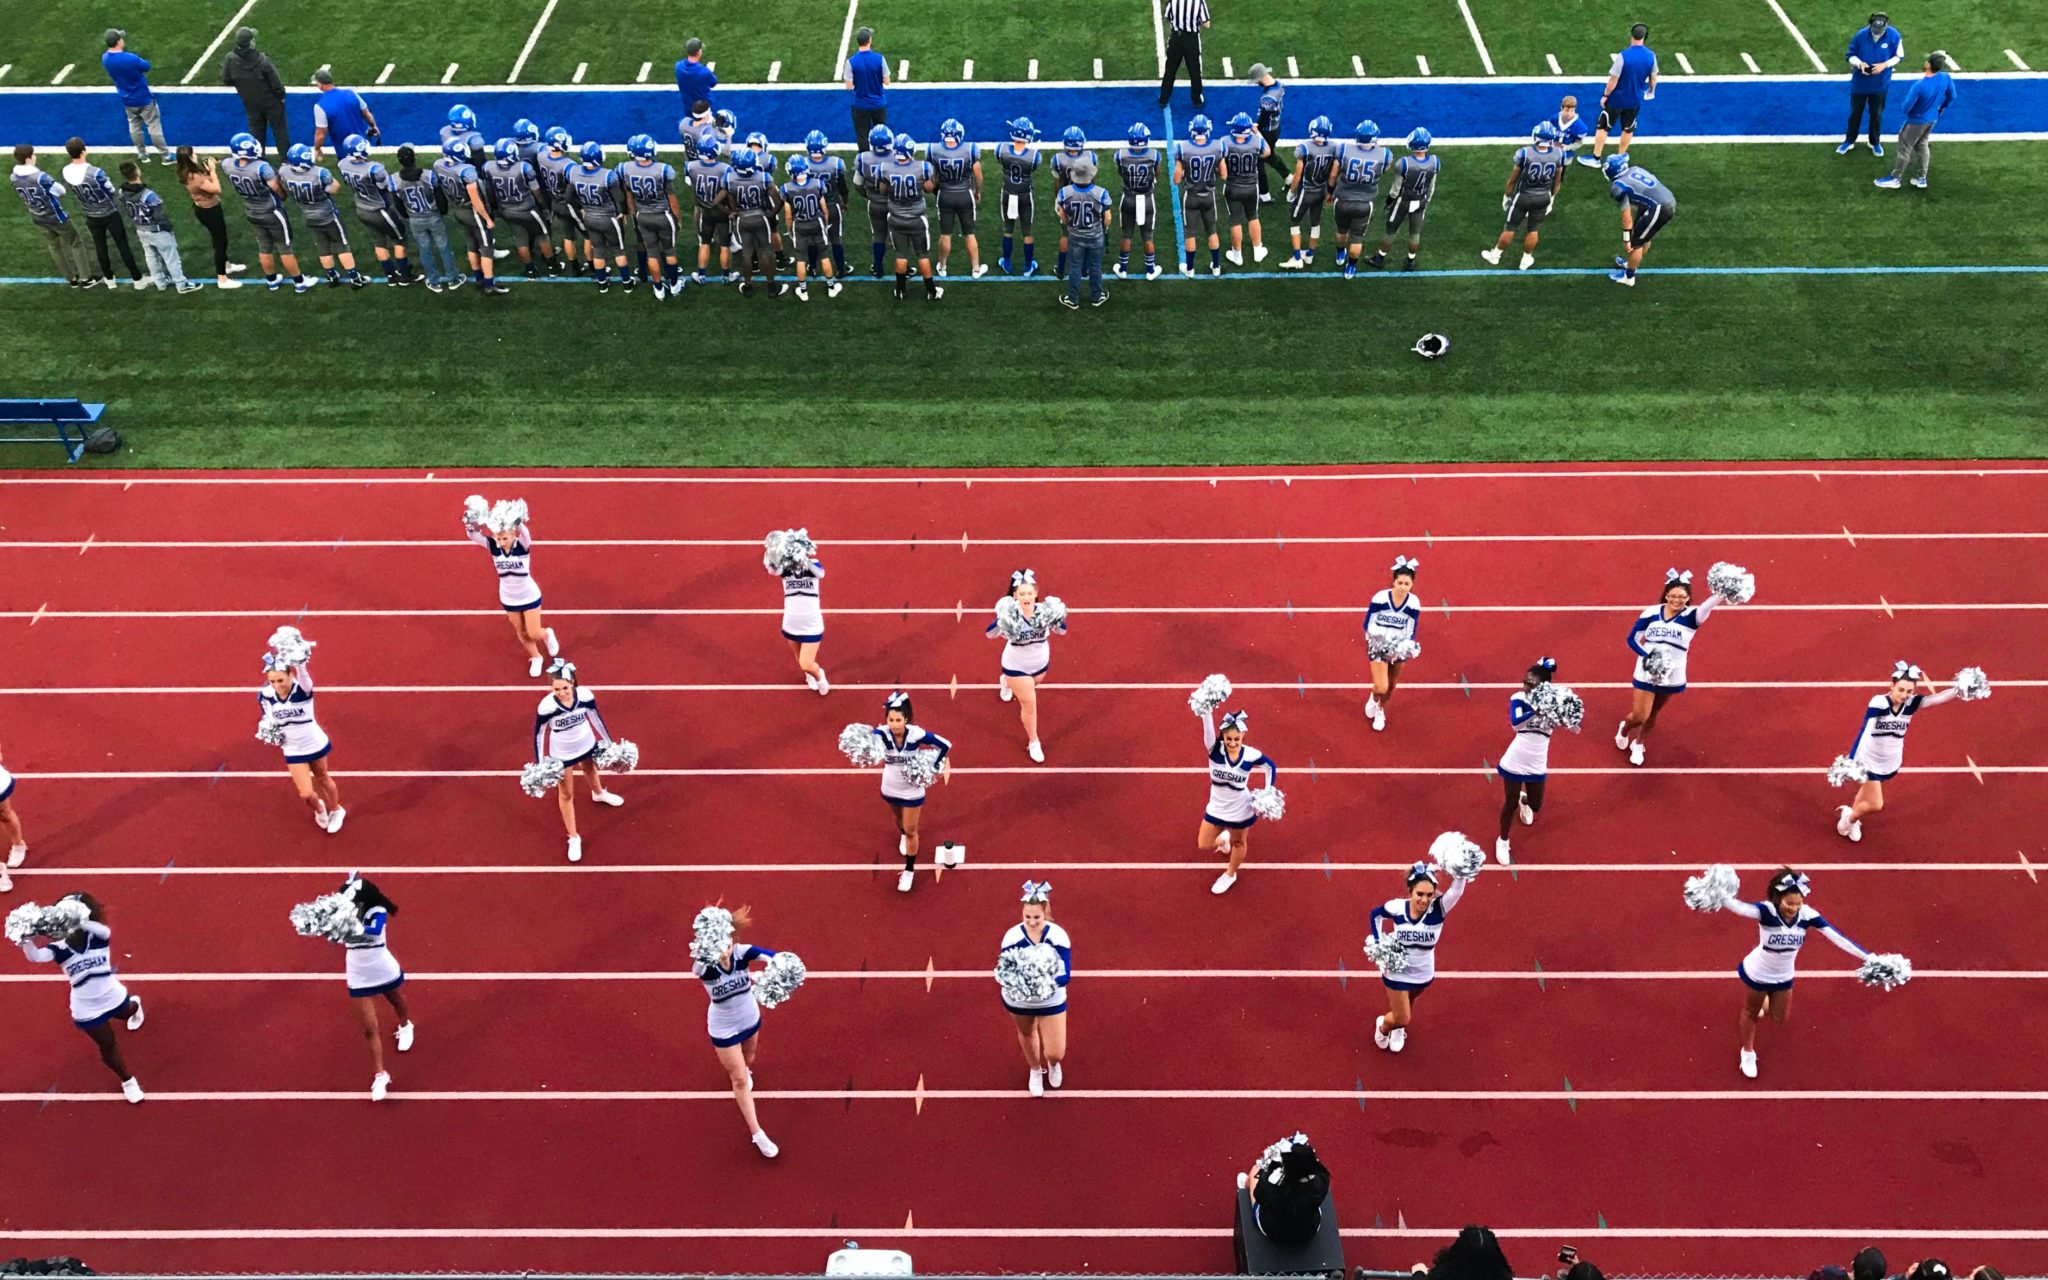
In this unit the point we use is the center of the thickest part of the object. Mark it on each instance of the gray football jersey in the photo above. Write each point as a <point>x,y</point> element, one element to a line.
<point>905,181</point>
<point>1201,165</point>
<point>370,182</point>
<point>511,184</point>
<point>1536,167</point>
<point>596,190</point>
<point>754,199</point>
<point>307,186</point>
<point>1241,157</point>
<point>1356,173</point>
<point>1017,167</point>
<point>650,185</point>
<point>1316,159</point>
<point>1418,176</point>
<point>553,167</point>
<point>953,167</point>
<point>37,191</point>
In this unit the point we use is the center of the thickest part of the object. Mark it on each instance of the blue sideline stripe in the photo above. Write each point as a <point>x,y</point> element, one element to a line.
<point>2006,102</point>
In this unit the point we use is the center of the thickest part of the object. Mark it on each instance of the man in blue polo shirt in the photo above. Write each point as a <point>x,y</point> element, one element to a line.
<point>867,74</point>
<point>339,113</point>
<point>130,74</point>
<point>694,80</point>
<point>1873,51</point>
<point>1933,93</point>
<point>1631,82</point>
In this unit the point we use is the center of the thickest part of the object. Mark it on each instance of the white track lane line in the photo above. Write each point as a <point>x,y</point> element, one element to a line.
<point>293,611</point>
<point>1010,1096</point>
<point>206,59</point>
<point>1338,771</point>
<point>1798,35</point>
<point>1550,1234</point>
<point>981,975</point>
<point>789,689</point>
<point>848,868</point>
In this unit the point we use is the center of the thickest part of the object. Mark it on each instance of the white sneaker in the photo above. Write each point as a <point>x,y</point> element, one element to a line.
<point>1397,1039</point>
<point>1054,1077</point>
<point>1749,1063</point>
<point>1154,271</point>
<point>942,270</point>
<point>1216,270</point>
<point>766,1147</point>
<point>824,683</point>
<point>1847,816</point>
<point>1223,882</point>
<point>1236,257</point>
<point>533,667</point>
<point>1526,814</point>
<point>554,645</point>
<point>334,817</point>
<point>380,1084</point>
<point>1856,832</point>
<point>905,879</point>
<point>131,1088</point>
<point>1635,753</point>
<point>810,682</point>
<point>1379,720</point>
<point>1223,843</point>
<point>1621,737</point>
<point>1528,261</point>
<point>1003,691</point>
<point>227,282</point>
<point>1491,256</point>
<point>405,1037</point>
<point>1188,269</point>
<point>135,1019</point>
<point>1501,854</point>
<point>1292,262</point>
<point>17,855</point>
<point>611,799</point>
<point>6,882</point>
<point>1121,271</point>
<point>1379,1032</point>
<point>320,818</point>
<point>1037,752</point>
<point>1037,1082</point>
<point>1259,252</point>
<point>575,848</point>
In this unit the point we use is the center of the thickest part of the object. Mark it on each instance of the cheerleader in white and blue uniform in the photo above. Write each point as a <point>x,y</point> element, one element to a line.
<point>1525,764</point>
<point>512,556</point>
<point>97,996</point>
<point>1042,1024</point>
<point>372,971</point>
<point>1417,923</point>
<point>1881,742</point>
<point>10,827</point>
<point>1668,628</point>
<point>1783,924</point>
<point>287,699</point>
<point>1026,658</point>
<point>1228,819</point>
<point>901,739</point>
<point>734,1021</point>
<point>803,619</point>
<point>1391,618</point>
<point>568,727</point>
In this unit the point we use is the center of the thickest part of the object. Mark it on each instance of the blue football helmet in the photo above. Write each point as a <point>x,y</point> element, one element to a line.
<point>1241,122</point>
<point>593,152</point>
<point>815,142</point>
<point>1367,132</point>
<point>356,147</point>
<point>246,146</point>
<point>505,149</point>
<point>1420,140</point>
<point>725,120</point>
<point>1615,166</point>
<point>758,139</point>
<point>904,146</point>
<point>1139,135</point>
<point>1075,137</point>
<point>798,166</point>
<point>707,145</point>
<point>640,146</point>
<point>1268,102</point>
<point>952,132</point>
<point>525,130</point>
<point>299,154</point>
<point>880,139</point>
<point>461,117</point>
<point>1547,131</point>
<point>1022,130</point>
<point>1320,129</point>
<point>1199,126</point>
<point>455,149</point>
<point>558,137</point>
<point>743,161</point>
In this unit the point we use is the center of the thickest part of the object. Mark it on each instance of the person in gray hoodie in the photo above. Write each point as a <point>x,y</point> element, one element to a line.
<point>253,76</point>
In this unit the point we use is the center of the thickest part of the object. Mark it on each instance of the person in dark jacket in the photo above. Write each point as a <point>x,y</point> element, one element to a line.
<point>1475,1255</point>
<point>1288,1193</point>
<point>254,77</point>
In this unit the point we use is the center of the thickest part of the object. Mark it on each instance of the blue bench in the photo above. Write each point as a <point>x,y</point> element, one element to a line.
<point>73,419</point>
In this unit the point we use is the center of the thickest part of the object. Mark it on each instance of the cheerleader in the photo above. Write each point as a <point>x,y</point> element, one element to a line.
<point>1027,658</point>
<point>511,551</point>
<point>734,1021</point>
<point>373,971</point>
<point>1392,617</point>
<point>97,996</point>
<point>1227,821</point>
<point>803,618</point>
<point>1416,923</point>
<point>1670,628</point>
<point>1042,1024</point>
<point>568,727</point>
<point>1881,742</point>
<point>1524,764</point>
<point>1782,926</point>
<point>901,739</point>
<point>287,699</point>
<point>10,827</point>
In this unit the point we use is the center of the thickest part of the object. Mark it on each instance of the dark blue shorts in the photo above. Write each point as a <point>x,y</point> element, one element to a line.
<point>1512,776</point>
<point>1061,1007</point>
<point>1647,687</point>
<point>804,639</point>
<point>1028,675</point>
<point>898,803</point>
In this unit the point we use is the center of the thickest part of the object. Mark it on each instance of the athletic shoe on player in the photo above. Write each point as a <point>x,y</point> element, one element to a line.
<point>1502,854</point>
<point>334,817</point>
<point>405,1037</point>
<point>1490,256</point>
<point>764,1146</point>
<point>131,1088</point>
<point>1635,753</point>
<point>380,1084</point>
<point>575,848</point>
<point>611,798</point>
<point>1748,1063</point>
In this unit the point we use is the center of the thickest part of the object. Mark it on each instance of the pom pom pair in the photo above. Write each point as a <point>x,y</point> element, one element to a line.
<point>620,755</point>
<point>270,731</point>
<point>1457,855</point>
<point>289,647</point>
<point>1389,956</point>
<point>1385,648</point>
<point>1212,693</point>
<point>1733,583</point>
<point>778,979</point>
<point>1017,627</point>
<point>505,515</point>
<point>1267,1166</point>
<point>58,920</point>
<point>1028,975</point>
<point>331,916</point>
<point>1971,684</point>
<point>711,935</point>
<point>1556,706</point>
<point>541,777</point>
<point>1846,770</point>
<point>787,549</point>
<point>1712,887</point>
<point>1269,802</point>
<point>861,745</point>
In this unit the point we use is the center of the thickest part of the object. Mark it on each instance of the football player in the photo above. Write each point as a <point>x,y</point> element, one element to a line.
<point>650,187</point>
<point>1533,180</point>
<point>1307,189</point>
<point>956,168</point>
<point>809,212</point>
<point>1647,207</point>
<point>1137,168</point>
<point>1197,165</point>
<point>906,179</point>
<point>1244,158</point>
<point>1415,176</point>
<point>312,188</point>
<point>1018,159</point>
<point>377,207</point>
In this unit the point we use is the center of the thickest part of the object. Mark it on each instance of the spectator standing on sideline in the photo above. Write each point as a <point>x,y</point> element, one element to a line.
<point>424,204</point>
<point>255,80</point>
<point>694,80</point>
<point>145,208</point>
<point>1873,52</point>
<point>202,184</point>
<point>130,74</point>
<point>1930,95</point>
<point>44,196</point>
<point>867,74</point>
<point>1083,207</point>
<point>1631,82</point>
<point>1185,22</point>
<point>102,209</point>
<point>1475,1255</point>
<point>337,113</point>
<point>1272,99</point>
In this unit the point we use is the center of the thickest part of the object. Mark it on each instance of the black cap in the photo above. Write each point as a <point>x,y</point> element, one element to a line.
<point>1640,31</point>
<point>245,37</point>
<point>692,47</point>
<point>115,36</point>
<point>323,76</point>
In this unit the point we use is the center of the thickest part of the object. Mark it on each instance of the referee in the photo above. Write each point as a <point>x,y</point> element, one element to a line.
<point>1185,21</point>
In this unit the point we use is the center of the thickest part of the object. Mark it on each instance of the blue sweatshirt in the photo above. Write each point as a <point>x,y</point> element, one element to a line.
<point>1929,97</point>
<point>695,81</point>
<point>130,74</point>
<point>1873,50</point>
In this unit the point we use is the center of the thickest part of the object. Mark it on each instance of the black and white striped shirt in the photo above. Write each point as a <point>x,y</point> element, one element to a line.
<point>1186,15</point>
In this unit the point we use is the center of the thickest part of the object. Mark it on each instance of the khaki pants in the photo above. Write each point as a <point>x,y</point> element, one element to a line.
<point>67,251</point>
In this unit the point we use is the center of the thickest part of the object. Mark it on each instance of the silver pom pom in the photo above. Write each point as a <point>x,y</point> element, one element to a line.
<point>1657,666</point>
<point>778,979</point>
<point>861,746</point>
<point>1381,647</point>
<point>269,731</point>
<point>1972,684</point>
<point>1269,1159</point>
<point>58,920</point>
<point>787,549</point>
<point>922,769</point>
<point>1733,583</point>
<point>290,646</point>
<point>331,916</point>
<point>620,755</point>
<point>474,509</point>
<point>1028,975</point>
<point>1845,771</point>
<point>1011,624</point>
<point>506,515</point>
<point>1887,971</point>
<point>1712,887</point>
<point>1212,693</point>
<point>1390,956</point>
<point>541,777</point>
<point>711,935</point>
<point>1457,855</point>
<point>1051,613</point>
<point>1556,706</point>
<point>1269,802</point>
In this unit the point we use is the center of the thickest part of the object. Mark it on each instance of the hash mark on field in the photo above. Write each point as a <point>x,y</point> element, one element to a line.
<point>647,68</point>
<point>1357,66</point>
<point>967,69</point>
<point>577,78</point>
<point>774,71</point>
<point>1555,69</point>
<point>59,77</point>
<point>1750,62</point>
<point>903,68</point>
<point>2014,58</point>
<point>1422,64</point>
<point>1229,72</point>
<point>1684,64</point>
<point>448,76</point>
<point>1031,70</point>
<point>1293,69</point>
<point>532,38</point>
<point>6,67</point>
<point>1098,68</point>
<point>1798,35</point>
<point>1485,58</point>
<point>385,74</point>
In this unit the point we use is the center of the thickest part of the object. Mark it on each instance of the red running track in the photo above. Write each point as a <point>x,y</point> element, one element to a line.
<point>1911,1119</point>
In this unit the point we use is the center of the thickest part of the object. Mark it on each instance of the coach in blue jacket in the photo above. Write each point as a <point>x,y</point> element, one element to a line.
<point>694,80</point>
<point>1873,52</point>
<point>1931,95</point>
<point>130,74</point>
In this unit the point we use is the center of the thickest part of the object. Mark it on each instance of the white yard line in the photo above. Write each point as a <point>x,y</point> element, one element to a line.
<point>1229,72</point>
<point>1798,35</point>
<point>1485,58</point>
<point>1422,64</point>
<point>448,76</point>
<point>6,67</point>
<point>532,38</point>
<point>2014,58</point>
<point>206,58</point>
<point>1750,62</point>
<point>1684,64</point>
<point>647,69</point>
<point>1159,34</point>
<point>62,72</point>
<point>1555,69</point>
<point>385,74</point>
<point>774,71</point>
<point>845,41</point>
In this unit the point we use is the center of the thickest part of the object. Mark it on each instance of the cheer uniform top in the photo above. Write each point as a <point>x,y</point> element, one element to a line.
<point>1387,623</point>
<point>896,785</point>
<point>1769,966</point>
<point>517,591</point>
<point>569,734</point>
<point>96,994</point>
<point>1417,937</point>
<point>304,739</point>
<point>6,783</point>
<point>1527,758</point>
<point>1653,630</point>
<point>1230,792</point>
<point>371,968</point>
<point>803,617</point>
<point>1056,938</point>
<point>734,1015</point>
<point>1881,742</point>
<point>1031,655</point>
